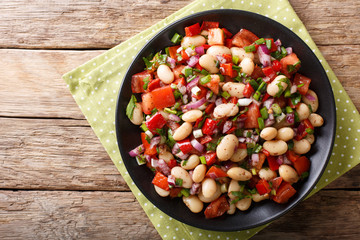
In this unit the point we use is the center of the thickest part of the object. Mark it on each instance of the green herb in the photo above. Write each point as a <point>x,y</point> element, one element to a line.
<point>277,55</point>
<point>176,106</point>
<point>254,84</point>
<point>295,98</point>
<point>240,113</point>
<point>273,192</point>
<point>292,68</point>
<point>167,51</point>
<point>146,83</point>
<point>309,131</point>
<point>147,61</point>
<point>147,138</point>
<point>239,132</point>
<point>268,43</point>
<point>257,148</point>
<point>235,59</point>
<point>283,51</point>
<point>130,107</point>
<point>304,175</point>
<point>310,108</point>
<point>290,144</point>
<point>260,41</point>
<point>177,94</point>
<point>252,191</point>
<point>248,134</point>
<point>202,160</point>
<point>157,150</point>
<point>236,68</point>
<point>250,48</point>
<point>204,72</point>
<point>262,86</point>
<point>289,109</point>
<point>168,110</point>
<point>211,146</point>
<point>140,159</point>
<point>257,95</point>
<point>192,78</point>
<point>300,85</point>
<point>219,140</point>
<point>176,38</point>
<point>144,127</point>
<point>217,63</point>
<point>264,113</point>
<point>287,93</point>
<point>296,117</point>
<point>170,141</point>
<point>225,94</point>
<point>185,192</point>
<point>178,181</point>
<point>276,108</point>
<point>154,111</point>
<point>221,77</point>
<point>188,72</point>
<point>205,80</point>
<point>161,131</point>
<point>261,123</point>
<point>184,163</point>
<point>201,123</point>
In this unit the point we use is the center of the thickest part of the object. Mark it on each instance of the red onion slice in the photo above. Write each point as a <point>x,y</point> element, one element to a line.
<point>154,163</point>
<point>193,105</point>
<point>136,151</point>
<point>182,156</point>
<point>192,84</point>
<point>171,180</point>
<point>290,118</point>
<point>195,188</point>
<point>200,50</point>
<point>310,97</point>
<point>289,50</point>
<point>155,141</point>
<point>278,43</point>
<point>164,168</point>
<point>293,89</point>
<point>174,117</point>
<point>198,146</point>
<point>268,103</point>
<point>175,148</point>
<point>171,61</point>
<point>193,61</point>
<point>227,126</point>
<point>264,56</point>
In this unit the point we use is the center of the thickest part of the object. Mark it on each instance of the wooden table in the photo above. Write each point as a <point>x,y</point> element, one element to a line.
<point>56,180</point>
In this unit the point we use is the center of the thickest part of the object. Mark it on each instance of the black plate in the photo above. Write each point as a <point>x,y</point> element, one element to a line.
<point>128,135</point>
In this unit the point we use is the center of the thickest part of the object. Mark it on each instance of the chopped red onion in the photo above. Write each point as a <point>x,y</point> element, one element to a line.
<point>174,117</point>
<point>193,105</point>
<point>218,101</point>
<point>212,175</point>
<point>264,55</point>
<point>197,145</point>
<point>148,158</point>
<point>193,61</point>
<point>227,165</point>
<point>221,59</point>
<point>175,148</point>
<point>181,88</point>
<point>200,50</point>
<point>255,159</point>
<point>289,50</point>
<point>195,188</point>
<point>189,51</point>
<point>171,61</point>
<point>280,159</point>
<point>227,126</point>
<point>270,121</point>
<point>255,138</point>
<point>210,99</point>
<point>245,133</point>
<point>286,160</point>
<point>290,118</point>
<point>266,79</point>
<point>154,163</point>
<point>182,156</point>
<point>255,101</point>
<point>164,168</point>
<point>268,103</point>
<point>278,43</point>
<point>249,140</point>
<point>271,116</point>
<point>185,99</point>
<point>310,97</point>
<point>192,84</point>
<point>242,139</point>
<point>171,180</point>
<point>301,128</point>
<point>293,89</point>
<point>155,141</point>
<point>136,151</point>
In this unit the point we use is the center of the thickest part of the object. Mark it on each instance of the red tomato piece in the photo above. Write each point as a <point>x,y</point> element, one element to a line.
<point>215,172</point>
<point>242,145</point>
<point>252,116</point>
<point>216,36</point>
<point>210,158</point>
<point>231,130</point>
<point>172,163</point>
<point>258,165</point>
<point>173,51</point>
<point>184,56</point>
<point>227,57</point>
<point>284,193</point>
<point>287,61</point>
<point>227,70</point>
<point>263,187</point>
<point>175,192</point>
<point>265,152</point>
<point>201,94</point>
<point>269,72</point>
<point>227,33</point>
<point>276,65</point>
<point>273,46</point>
<point>303,82</point>
<point>172,125</point>
<point>205,139</point>
<point>244,38</point>
<point>217,207</point>
<point>147,103</point>
<point>185,146</point>
<point>209,126</point>
<point>213,85</point>
<point>197,66</point>
<point>154,84</point>
<point>257,73</point>
<point>163,97</point>
<point>228,42</point>
<point>206,25</point>
<point>193,30</point>
<point>302,164</point>
<point>210,108</point>
<point>266,96</point>
<point>137,81</point>
<point>248,91</point>
<point>157,121</point>
<point>275,183</point>
<point>161,181</point>
<point>292,156</point>
<point>273,164</point>
<point>177,71</point>
<point>148,150</point>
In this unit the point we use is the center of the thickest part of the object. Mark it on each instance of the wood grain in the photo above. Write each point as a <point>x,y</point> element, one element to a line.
<point>104,24</point>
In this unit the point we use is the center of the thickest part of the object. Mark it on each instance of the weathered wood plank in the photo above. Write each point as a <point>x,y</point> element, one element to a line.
<point>39,72</point>
<point>104,215</point>
<point>55,154</point>
<point>72,215</point>
<point>103,24</point>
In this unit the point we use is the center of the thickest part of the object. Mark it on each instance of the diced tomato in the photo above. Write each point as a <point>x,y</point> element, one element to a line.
<point>284,193</point>
<point>178,70</point>
<point>209,109</point>
<point>213,85</point>
<point>173,51</point>
<point>206,46</point>
<point>301,130</point>
<point>258,165</point>
<point>172,125</point>
<point>184,56</point>
<point>289,60</point>
<point>302,80</point>
<point>227,57</point>
<point>266,96</point>
<point>206,25</point>
<point>281,101</point>
<point>197,66</point>
<point>192,30</point>
<point>233,100</point>
<point>215,172</point>
<point>292,156</point>
<point>228,42</point>
<point>276,65</point>
<point>275,183</point>
<point>201,94</point>
<point>242,145</point>
<point>248,91</point>
<point>266,152</point>
<point>209,126</point>
<point>198,122</point>
<point>244,38</point>
<point>273,46</point>
<point>263,187</point>
<point>231,130</point>
<point>302,164</point>
<point>148,150</point>
<point>269,72</point>
<point>273,164</point>
<point>157,121</point>
<point>154,84</point>
<point>137,81</point>
<point>147,103</point>
<point>185,146</point>
<point>253,181</point>
<point>180,81</point>
<point>227,70</point>
<point>163,97</point>
<point>161,181</point>
<point>175,191</point>
<point>216,36</point>
<point>252,116</point>
<point>205,139</point>
<point>217,207</point>
<point>210,158</point>
<point>257,73</point>
<point>172,163</point>
<point>291,104</point>
<point>227,33</point>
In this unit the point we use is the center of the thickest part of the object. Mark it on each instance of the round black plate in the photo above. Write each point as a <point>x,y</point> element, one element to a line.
<point>128,135</point>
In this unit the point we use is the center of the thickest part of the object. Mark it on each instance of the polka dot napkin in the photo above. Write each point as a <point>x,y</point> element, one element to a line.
<point>95,87</point>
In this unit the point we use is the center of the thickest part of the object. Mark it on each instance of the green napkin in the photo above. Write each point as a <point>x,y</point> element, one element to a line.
<point>95,87</point>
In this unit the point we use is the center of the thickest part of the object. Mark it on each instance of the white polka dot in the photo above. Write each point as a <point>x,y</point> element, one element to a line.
<point>345,110</point>
<point>340,164</point>
<point>204,4</point>
<point>329,171</point>
<point>275,17</point>
<point>326,180</point>
<point>165,236</point>
<point>331,161</point>
<point>269,6</point>
<point>260,5</point>
<point>101,130</point>
<point>200,234</point>
<point>315,187</point>
<point>340,91</point>
<point>351,156</point>
<point>158,225</point>
<point>349,165</point>
<point>139,194</point>
<point>82,70</point>
<point>161,216</point>
<point>293,19</point>
<point>337,173</point>
<point>174,237</point>
<point>191,233</point>
<point>284,18</point>
<point>209,235</point>
<point>354,148</point>
<point>152,215</point>
<point>94,120</point>
<point>344,146</point>
<point>176,229</point>
<point>300,30</point>
<point>356,139</point>
<point>251,3</point>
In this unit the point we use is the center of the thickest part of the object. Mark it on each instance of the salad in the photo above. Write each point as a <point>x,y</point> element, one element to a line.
<point>226,119</point>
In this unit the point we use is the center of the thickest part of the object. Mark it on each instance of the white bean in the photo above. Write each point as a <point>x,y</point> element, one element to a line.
<point>218,50</point>
<point>241,53</point>
<point>288,174</point>
<point>267,174</point>
<point>165,74</point>
<point>313,103</point>
<point>161,192</point>
<point>247,66</point>
<point>233,187</point>
<point>181,173</point>
<point>192,115</point>
<point>234,89</point>
<point>215,196</point>
<point>226,147</point>
<point>302,146</point>
<point>166,156</point>
<point>273,88</point>
<point>182,132</point>
<point>199,173</point>
<point>239,155</point>
<point>285,134</point>
<point>275,147</point>
<point>316,120</point>
<point>225,110</point>
<point>239,174</point>
<point>193,203</point>
<point>232,209</point>
<point>197,40</point>
<point>243,204</point>
<point>191,163</point>
<point>268,133</point>
<point>138,116</point>
<point>258,198</point>
<point>208,62</point>
<point>310,138</point>
<point>303,111</point>
<point>208,187</point>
